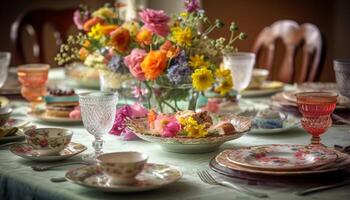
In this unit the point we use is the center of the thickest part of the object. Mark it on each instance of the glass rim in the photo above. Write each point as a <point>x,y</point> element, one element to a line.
<point>105,94</point>
<point>34,67</point>
<point>342,61</point>
<point>5,53</point>
<point>240,54</point>
<point>320,93</point>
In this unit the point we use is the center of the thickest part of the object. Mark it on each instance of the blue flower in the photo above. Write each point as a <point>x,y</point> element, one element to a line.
<point>179,72</point>
<point>116,64</point>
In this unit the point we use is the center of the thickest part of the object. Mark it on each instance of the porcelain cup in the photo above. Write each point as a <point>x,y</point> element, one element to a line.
<point>122,167</point>
<point>48,141</point>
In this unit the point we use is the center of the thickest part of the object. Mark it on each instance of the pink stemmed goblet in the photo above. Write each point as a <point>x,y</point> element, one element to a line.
<point>316,108</point>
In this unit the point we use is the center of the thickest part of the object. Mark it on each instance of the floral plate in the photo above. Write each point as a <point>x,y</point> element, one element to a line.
<point>288,124</point>
<point>268,88</point>
<point>153,176</point>
<point>26,151</point>
<point>282,157</point>
<point>222,160</point>
<point>42,116</point>
<point>185,144</point>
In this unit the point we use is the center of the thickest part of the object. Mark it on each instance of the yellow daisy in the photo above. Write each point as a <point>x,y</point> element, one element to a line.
<point>182,36</point>
<point>104,13</point>
<point>96,32</point>
<point>197,61</point>
<point>202,79</point>
<point>192,128</point>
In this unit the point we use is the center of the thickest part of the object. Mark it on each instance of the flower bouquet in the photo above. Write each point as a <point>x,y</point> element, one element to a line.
<point>103,41</point>
<point>177,60</point>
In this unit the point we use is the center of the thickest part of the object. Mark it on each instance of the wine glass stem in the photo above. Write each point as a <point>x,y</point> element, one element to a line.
<point>238,96</point>
<point>316,140</point>
<point>98,146</point>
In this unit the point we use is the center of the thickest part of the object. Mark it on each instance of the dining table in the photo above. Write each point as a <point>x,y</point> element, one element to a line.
<point>18,181</point>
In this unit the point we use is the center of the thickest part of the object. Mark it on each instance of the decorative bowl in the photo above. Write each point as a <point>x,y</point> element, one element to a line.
<point>5,114</point>
<point>48,141</point>
<point>259,76</point>
<point>189,145</point>
<point>342,75</point>
<point>122,167</point>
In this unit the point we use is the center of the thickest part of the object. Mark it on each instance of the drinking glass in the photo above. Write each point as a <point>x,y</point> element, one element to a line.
<point>33,78</point>
<point>342,76</point>
<point>98,114</point>
<point>5,58</point>
<point>316,108</point>
<point>241,65</point>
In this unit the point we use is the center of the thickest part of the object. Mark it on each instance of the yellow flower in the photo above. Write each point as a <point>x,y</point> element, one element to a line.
<point>184,14</point>
<point>192,128</point>
<point>202,79</point>
<point>224,87</point>
<point>182,36</point>
<point>197,61</point>
<point>223,73</point>
<point>132,27</point>
<point>104,13</point>
<point>225,78</point>
<point>96,32</point>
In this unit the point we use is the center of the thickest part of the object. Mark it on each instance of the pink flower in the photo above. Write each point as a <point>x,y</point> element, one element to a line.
<point>79,18</point>
<point>123,114</point>
<point>133,61</point>
<point>156,21</point>
<point>212,106</point>
<point>138,92</point>
<point>167,126</point>
<point>75,114</point>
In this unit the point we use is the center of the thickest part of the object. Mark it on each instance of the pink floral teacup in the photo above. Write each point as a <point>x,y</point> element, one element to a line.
<point>48,141</point>
<point>122,167</point>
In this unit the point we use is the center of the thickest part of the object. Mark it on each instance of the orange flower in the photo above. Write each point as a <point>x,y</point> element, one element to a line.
<point>91,22</point>
<point>83,53</point>
<point>151,116</point>
<point>120,39</point>
<point>144,36</point>
<point>171,50</point>
<point>107,29</point>
<point>86,43</point>
<point>154,64</point>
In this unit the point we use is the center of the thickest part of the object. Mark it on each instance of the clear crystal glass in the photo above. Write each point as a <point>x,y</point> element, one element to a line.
<point>4,64</point>
<point>241,65</point>
<point>98,114</point>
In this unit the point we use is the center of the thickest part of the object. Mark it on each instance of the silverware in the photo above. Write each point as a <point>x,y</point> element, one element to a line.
<point>9,144</point>
<point>323,187</point>
<point>45,168</point>
<point>58,179</point>
<point>207,178</point>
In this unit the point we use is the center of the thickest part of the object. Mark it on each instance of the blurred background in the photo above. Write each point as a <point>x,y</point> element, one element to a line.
<point>332,17</point>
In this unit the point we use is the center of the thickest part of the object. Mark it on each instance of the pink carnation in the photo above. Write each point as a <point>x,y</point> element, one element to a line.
<point>133,61</point>
<point>123,114</point>
<point>167,126</point>
<point>156,21</point>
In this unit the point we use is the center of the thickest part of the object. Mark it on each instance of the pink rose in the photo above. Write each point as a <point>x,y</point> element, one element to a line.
<point>79,18</point>
<point>133,61</point>
<point>156,21</point>
<point>167,126</point>
<point>138,110</point>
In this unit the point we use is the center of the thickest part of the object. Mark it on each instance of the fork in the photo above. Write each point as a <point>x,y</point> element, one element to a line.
<point>45,168</point>
<point>209,179</point>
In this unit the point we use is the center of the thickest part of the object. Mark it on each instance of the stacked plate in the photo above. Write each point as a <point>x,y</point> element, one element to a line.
<point>280,160</point>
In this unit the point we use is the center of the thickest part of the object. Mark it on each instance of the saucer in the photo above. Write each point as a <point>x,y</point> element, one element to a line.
<point>19,135</point>
<point>153,176</point>
<point>267,88</point>
<point>288,124</point>
<point>26,151</point>
<point>42,116</point>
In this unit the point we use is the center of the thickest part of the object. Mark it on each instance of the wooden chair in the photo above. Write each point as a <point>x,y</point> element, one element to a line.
<point>305,40</point>
<point>32,24</point>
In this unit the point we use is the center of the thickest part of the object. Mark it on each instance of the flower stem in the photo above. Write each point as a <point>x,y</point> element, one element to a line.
<point>168,104</point>
<point>149,96</point>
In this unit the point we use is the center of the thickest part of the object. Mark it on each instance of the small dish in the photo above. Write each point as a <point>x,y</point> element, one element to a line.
<point>152,176</point>
<point>259,76</point>
<point>288,124</point>
<point>286,157</point>
<point>121,167</point>
<point>26,151</point>
<point>48,141</point>
<point>42,116</point>
<point>267,88</point>
<point>19,135</point>
<point>5,114</point>
<point>185,144</point>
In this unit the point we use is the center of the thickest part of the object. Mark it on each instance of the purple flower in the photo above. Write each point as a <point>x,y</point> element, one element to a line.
<point>156,21</point>
<point>192,5</point>
<point>79,18</point>
<point>123,114</point>
<point>179,72</point>
<point>116,64</point>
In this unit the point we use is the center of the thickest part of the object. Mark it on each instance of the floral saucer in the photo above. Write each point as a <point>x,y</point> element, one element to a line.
<point>26,151</point>
<point>288,124</point>
<point>42,116</point>
<point>153,176</point>
<point>282,157</point>
<point>222,161</point>
<point>186,144</point>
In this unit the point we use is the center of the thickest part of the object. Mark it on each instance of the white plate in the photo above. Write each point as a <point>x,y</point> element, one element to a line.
<point>45,118</point>
<point>153,176</point>
<point>268,88</point>
<point>26,151</point>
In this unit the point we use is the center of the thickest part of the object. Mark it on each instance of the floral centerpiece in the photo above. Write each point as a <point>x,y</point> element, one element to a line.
<point>177,60</point>
<point>103,41</point>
